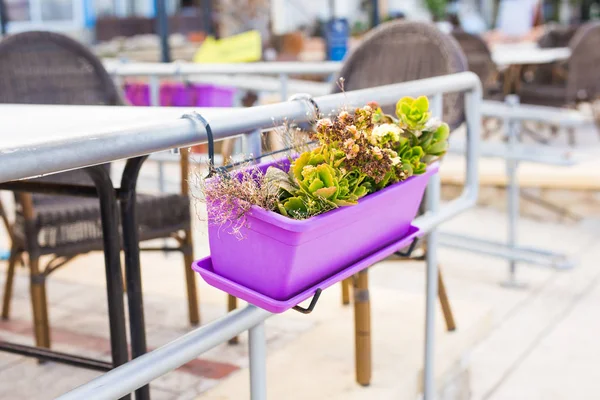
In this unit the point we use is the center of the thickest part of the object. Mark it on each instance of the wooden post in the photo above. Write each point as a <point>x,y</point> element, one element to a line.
<point>362,328</point>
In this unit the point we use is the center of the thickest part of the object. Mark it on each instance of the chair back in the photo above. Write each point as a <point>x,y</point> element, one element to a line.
<point>50,68</point>
<point>479,57</point>
<point>583,82</point>
<point>401,51</point>
<point>557,36</point>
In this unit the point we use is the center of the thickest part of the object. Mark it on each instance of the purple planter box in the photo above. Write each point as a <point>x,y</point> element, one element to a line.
<point>205,269</point>
<point>280,257</point>
<point>213,96</point>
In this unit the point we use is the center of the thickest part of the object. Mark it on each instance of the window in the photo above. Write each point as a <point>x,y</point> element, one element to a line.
<point>57,10</point>
<point>18,10</point>
<point>49,15</point>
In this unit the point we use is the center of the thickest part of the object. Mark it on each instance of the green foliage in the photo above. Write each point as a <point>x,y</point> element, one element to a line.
<point>413,113</point>
<point>437,8</point>
<point>357,154</point>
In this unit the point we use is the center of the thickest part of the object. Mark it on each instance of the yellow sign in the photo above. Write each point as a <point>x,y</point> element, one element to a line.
<point>245,47</point>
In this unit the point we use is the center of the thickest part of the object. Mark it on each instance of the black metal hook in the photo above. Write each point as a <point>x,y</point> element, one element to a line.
<point>196,117</point>
<point>307,97</point>
<point>411,248</point>
<point>312,304</point>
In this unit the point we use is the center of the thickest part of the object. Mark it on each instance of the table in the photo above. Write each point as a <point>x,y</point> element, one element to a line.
<point>514,56</point>
<point>527,53</point>
<point>36,140</point>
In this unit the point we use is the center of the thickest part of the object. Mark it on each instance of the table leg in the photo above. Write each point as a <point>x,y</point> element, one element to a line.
<point>112,260</point>
<point>132,263</point>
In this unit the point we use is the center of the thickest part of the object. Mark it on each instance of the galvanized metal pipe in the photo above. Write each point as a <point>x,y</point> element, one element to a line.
<point>107,146</point>
<point>257,352</point>
<point>118,68</point>
<point>512,192</point>
<point>431,277</point>
<point>150,366</point>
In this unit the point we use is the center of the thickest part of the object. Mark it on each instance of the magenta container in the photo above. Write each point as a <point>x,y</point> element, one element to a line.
<point>205,269</point>
<point>280,257</point>
<point>213,96</point>
<point>138,94</point>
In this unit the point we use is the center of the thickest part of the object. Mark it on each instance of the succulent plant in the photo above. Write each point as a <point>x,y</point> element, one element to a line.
<point>357,154</point>
<point>413,113</point>
<point>322,180</point>
<point>434,141</point>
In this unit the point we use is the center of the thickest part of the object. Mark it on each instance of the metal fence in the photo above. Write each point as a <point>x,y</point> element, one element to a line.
<point>144,369</point>
<point>513,115</point>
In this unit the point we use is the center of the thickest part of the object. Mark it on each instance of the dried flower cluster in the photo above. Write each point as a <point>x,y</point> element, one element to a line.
<point>230,195</point>
<point>357,154</point>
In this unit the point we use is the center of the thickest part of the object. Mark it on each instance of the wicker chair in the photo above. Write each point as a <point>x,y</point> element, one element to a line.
<point>401,51</point>
<point>581,76</point>
<point>479,59</point>
<point>575,81</point>
<point>379,60</point>
<point>48,68</point>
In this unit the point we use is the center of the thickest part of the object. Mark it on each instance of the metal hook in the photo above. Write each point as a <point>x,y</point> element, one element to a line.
<point>196,117</point>
<point>311,306</point>
<point>308,98</point>
<point>408,252</point>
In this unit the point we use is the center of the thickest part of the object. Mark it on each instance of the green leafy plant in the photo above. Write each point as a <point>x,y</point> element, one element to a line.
<point>437,8</point>
<point>356,154</point>
<point>413,113</point>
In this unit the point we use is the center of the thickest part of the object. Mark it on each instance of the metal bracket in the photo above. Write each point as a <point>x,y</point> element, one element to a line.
<point>311,306</point>
<point>308,98</point>
<point>196,117</point>
<point>411,248</point>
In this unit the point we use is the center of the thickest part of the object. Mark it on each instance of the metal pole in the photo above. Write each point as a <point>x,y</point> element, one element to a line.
<point>257,352</point>
<point>374,13</point>
<point>512,190</point>
<point>431,286</point>
<point>431,289</point>
<point>162,28</point>
<point>145,138</point>
<point>207,17</point>
<point>252,143</point>
<point>283,79</point>
<point>154,83</point>
<point>144,369</point>
<point>3,17</point>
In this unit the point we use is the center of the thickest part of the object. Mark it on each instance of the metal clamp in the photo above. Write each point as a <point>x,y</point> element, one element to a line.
<point>411,248</point>
<point>196,117</point>
<point>308,98</point>
<point>311,306</point>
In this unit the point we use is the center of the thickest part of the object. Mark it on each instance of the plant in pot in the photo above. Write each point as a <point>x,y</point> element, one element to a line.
<point>281,227</point>
<point>437,8</point>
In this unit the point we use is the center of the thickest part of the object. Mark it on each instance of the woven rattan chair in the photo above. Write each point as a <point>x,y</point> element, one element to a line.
<point>578,79</point>
<point>479,60</point>
<point>48,68</point>
<point>395,52</point>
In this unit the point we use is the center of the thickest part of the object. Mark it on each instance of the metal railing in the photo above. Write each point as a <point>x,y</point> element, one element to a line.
<point>193,71</point>
<point>144,369</point>
<point>246,76</point>
<point>513,115</point>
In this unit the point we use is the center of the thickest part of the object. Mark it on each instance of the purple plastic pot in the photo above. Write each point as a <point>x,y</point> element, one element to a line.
<point>205,269</point>
<point>213,96</point>
<point>280,257</point>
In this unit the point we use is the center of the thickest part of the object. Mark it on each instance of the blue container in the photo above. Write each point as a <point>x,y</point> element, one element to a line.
<point>337,32</point>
